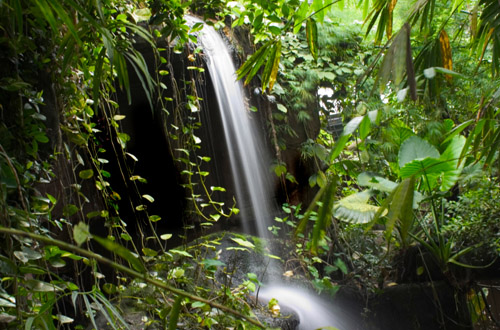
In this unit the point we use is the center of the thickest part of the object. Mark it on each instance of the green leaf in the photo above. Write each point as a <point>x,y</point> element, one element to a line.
<point>243,242</point>
<point>122,252</point>
<point>312,37</point>
<point>419,167</point>
<point>401,209</point>
<point>166,236</point>
<point>282,108</point>
<point>275,30</point>
<point>174,313</point>
<point>181,253</point>
<point>349,128</point>
<point>198,304</point>
<point>149,252</point>
<point>86,174</point>
<point>355,208</point>
<point>457,130</point>
<point>299,16</point>
<point>375,181</point>
<point>324,214</point>
<point>70,209</point>
<point>40,286</point>
<point>341,265</point>
<point>364,128</point>
<point>208,263</point>
<point>416,148</point>
<point>81,233</point>
<point>451,156</point>
<point>254,62</point>
<point>7,303</point>
<point>266,74</point>
<point>317,7</point>
<point>154,218</point>
<point>396,60</point>
<point>275,67</point>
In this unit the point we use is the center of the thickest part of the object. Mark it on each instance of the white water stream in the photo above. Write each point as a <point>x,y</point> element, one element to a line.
<point>250,169</point>
<point>248,157</point>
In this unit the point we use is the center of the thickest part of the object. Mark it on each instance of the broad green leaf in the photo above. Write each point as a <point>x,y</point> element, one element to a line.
<point>7,303</point>
<point>349,128</point>
<point>181,253</point>
<point>317,7</point>
<point>451,156</point>
<point>420,167</point>
<point>149,252</point>
<point>86,174</point>
<point>32,270</point>
<point>300,16</point>
<point>212,263</point>
<point>149,198</point>
<point>397,61</point>
<point>416,148</point>
<point>374,181</point>
<point>40,286</point>
<point>166,236</point>
<point>243,242</point>
<point>364,128</point>
<point>281,108</point>
<point>352,125</point>
<point>81,233</point>
<point>154,218</point>
<point>122,252</point>
<point>70,209</point>
<point>198,304</point>
<point>355,208</point>
<point>457,130</point>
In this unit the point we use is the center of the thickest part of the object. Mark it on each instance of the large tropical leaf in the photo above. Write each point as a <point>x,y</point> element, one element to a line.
<point>355,208</point>
<point>402,209</point>
<point>415,148</point>
<point>377,182</point>
<point>488,32</point>
<point>397,63</point>
<point>349,129</point>
<point>399,209</point>
<point>443,169</point>
<point>451,157</point>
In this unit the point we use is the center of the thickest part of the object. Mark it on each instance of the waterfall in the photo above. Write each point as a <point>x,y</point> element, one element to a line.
<point>250,170</point>
<point>248,156</point>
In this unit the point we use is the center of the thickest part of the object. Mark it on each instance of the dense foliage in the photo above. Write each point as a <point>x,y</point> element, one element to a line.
<point>416,166</point>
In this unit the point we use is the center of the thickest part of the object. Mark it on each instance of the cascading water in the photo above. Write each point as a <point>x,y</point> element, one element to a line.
<point>248,157</point>
<point>250,169</point>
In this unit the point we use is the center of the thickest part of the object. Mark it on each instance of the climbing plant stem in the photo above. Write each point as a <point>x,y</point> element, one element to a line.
<point>144,277</point>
